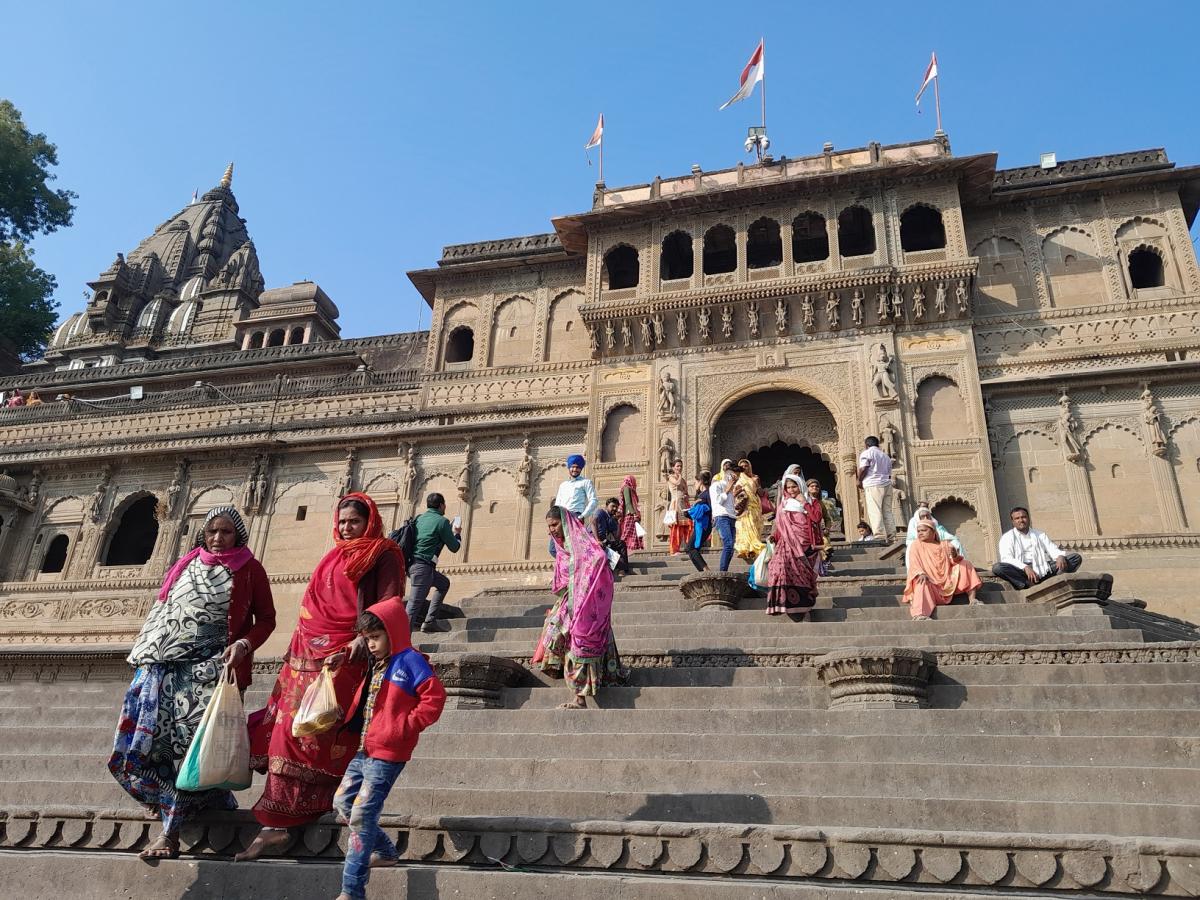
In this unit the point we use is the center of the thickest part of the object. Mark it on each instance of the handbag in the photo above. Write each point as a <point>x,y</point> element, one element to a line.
<point>758,571</point>
<point>319,710</point>
<point>219,755</point>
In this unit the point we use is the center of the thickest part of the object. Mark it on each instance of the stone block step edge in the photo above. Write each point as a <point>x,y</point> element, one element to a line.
<point>1055,863</point>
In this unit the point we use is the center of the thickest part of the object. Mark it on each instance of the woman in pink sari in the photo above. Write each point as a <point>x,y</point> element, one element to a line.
<point>577,641</point>
<point>630,514</point>
<point>791,578</point>
<point>936,572</point>
<point>363,568</point>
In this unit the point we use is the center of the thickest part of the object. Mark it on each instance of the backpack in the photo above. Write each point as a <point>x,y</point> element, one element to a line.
<point>405,538</point>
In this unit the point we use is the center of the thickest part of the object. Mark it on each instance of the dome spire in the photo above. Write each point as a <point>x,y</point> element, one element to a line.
<point>227,178</point>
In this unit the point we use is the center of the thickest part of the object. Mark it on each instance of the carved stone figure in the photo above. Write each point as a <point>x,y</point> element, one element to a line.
<point>1068,430</point>
<point>1152,427</point>
<point>808,313</point>
<point>939,299</point>
<point>667,399</point>
<point>626,334</point>
<point>727,321</point>
<point>647,334</point>
<point>34,491</point>
<point>889,437</point>
<point>704,318</point>
<point>881,303</point>
<point>881,374</point>
<point>524,468</point>
<point>666,455</point>
<point>681,326</point>
<point>752,319</point>
<point>781,316</point>
<point>856,307</point>
<point>992,434</point>
<point>96,502</point>
<point>960,295</point>
<point>176,487</point>
<point>464,475</point>
<point>918,303</point>
<point>897,302</point>
<point>610,339</point>
<point>593,341</point>
<point>833,310</point>
<point>346,486</point>
<point>410,471</point>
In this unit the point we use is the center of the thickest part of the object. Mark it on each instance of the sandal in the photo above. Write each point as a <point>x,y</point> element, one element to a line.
<point>166,847</point>
<point>572,706</point>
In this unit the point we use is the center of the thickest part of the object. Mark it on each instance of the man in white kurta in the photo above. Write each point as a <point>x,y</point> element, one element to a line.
<point>1028,556</point>
<point>577,493</point>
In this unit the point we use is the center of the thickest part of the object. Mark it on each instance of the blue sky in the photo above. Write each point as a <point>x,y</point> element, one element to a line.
<point>367,135</point>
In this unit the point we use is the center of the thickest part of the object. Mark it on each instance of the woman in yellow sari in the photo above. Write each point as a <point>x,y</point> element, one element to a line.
<point>747,542</point>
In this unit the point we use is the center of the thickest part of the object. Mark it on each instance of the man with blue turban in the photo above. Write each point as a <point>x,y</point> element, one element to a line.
<point>577,493</point>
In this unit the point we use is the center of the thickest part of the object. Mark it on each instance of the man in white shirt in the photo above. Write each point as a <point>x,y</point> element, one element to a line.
<point>875,476</point>
<point>1027,556</point>
<point>723,511</point>
<point>577,493</point>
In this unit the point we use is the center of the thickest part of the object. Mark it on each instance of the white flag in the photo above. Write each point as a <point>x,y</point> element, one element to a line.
<point>752,74</point>
<point>597,135</point>
<point>930,74</point>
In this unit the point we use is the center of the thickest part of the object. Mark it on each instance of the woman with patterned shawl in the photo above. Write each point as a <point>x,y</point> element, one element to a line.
<point>748,531</point>
<point>214,609</point>
<point>577,640</point>
<point>936,572</point>
<point>791,578</point>
<point>303,773</point>
<point>629,511</point>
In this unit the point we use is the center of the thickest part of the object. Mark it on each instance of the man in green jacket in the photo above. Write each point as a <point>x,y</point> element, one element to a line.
<point>434,532</point>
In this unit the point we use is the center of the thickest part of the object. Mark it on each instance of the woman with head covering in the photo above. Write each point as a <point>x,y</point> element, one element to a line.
<point>363,568</point>
<point>629,511</point>
<point>936,572</point>
<point>33,399</point>
<point>792,580</point>
<point>748,534</point>
<point>16,399</point>
<point>214,609</point>
<point>816,513</point>
<point>678,502</point>
<point>577,640</point>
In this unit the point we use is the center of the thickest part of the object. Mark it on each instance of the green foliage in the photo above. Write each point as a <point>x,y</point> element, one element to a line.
<point>26,308</point>
<point>28,206</point>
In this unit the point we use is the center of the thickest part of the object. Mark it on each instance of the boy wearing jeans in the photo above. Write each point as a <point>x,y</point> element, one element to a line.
<point>400,698</point>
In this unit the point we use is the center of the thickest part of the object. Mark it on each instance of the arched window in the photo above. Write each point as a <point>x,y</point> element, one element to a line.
<point>810,239</point>
<point>276,339</point>
<point>621,269</point>
<point>941,413</point>
<point>133,541</point>
<point>1145,269</point>
<point>256,340</point>
<point>921,228</point>
<point>764,248</point>
<point>720,250</point>
<point>677,260</point>
<point>856,232</point>
<point>56,554</point>
<point>460,345</point>
<point>297,336</point>
<point>623,436</point>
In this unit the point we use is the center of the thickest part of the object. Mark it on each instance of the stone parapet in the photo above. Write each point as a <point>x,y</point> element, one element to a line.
<point>476,680</point>
<point>877,678</point>
<point>720,590</point>
<point>1071,588</point>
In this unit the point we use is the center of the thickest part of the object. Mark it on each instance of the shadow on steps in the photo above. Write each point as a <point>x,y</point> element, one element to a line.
<point>750,809</point>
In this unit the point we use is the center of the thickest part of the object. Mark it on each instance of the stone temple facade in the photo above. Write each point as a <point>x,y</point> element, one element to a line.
<point>1015,336</point>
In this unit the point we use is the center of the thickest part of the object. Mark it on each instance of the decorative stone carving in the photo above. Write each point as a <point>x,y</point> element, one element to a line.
<point>647,334</point>
<point>781,316</point>
<point>1153,435</point>
<point>881,374</point>
<point>476,680</point>
<point>666,455</point>
<point>918,303</point>
<point>881,303</point>
<point>33,491</point>
<point>856,307</point>
<point>667,396</point>
<point>410,472</point>
<point>524,468</point>
<point>960,297</point>
<point>174,489</point>
<point>96,501</point>
<point>346,485</point>
<point>897,302</point>
<point>889,437</point>
<point>727,321</point>
<point>681,326</point>
<point>464,475</point>
<point>833,311</point>
<point>660,329</point>
<point>626,334</point>
<point>1071,588</point>
<point>877,678</point>
<point>939,299</point>
<point>807,313</point>
<point>752,319</point>
<point>593,340</point>
<point>721,590</point>
<point>610,340</point>
<point>704,318</point>
<point>1068,430</point>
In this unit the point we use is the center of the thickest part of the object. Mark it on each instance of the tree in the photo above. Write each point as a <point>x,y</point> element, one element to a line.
<point>28,207</point>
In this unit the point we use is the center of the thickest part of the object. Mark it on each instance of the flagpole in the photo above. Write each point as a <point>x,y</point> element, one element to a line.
<point>937,102</point>
<point>763,41</point>
<point>602,154</point>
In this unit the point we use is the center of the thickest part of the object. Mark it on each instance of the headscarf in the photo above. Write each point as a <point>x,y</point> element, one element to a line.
<point>360,554</point>
<point>576,459</point>
<point>746,467</point>
<point>791,504</point>
<point>629,489</point>
<point>232,559</point>
<point>581,571</point>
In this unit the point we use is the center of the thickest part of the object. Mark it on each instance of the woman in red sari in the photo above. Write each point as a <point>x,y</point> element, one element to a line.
<point>791,578</point>
<point>936,572</point>
<point>363,568</point>
<point>630,514</point>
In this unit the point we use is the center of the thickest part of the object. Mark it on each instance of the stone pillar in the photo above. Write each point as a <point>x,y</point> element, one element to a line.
<point>524,524</point>
<point>5,531</point>
<point>1166,492</point>
<point>785,235</point>
<point>847,476</point>
<point>1079,488</point>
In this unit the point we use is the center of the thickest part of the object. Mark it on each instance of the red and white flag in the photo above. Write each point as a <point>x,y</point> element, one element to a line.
<point>597,135</point>
<point>930,74</point>
<point>752,74</point>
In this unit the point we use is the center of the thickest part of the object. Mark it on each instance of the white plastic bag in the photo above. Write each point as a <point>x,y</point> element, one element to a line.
<point>614,558</point>
<point>219,756</point>
<point>759,570</point>
<point>669,518</point>
<point>637,527</point>
<point>319,710</point>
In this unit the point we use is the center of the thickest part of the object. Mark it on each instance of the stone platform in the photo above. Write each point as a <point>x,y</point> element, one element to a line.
<point>1054,751</point>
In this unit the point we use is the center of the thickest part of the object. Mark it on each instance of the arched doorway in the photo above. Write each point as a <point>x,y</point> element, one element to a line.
<point>132,542</point>
<point>774,429</point>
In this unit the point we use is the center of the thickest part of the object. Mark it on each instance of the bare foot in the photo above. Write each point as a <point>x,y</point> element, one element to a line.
<point>379,861</point>
<point>268,839</point>
<point>166,847</point>
<point>151,812</point>
<point>973,600</point>
<point>344,897</point>
<point>578,703</point>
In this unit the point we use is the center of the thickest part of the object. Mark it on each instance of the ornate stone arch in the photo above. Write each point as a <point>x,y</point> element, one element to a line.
<point>1092,430</point>
<point>282,487</point>
<point>1008,441</point>
<point>194,505</point>
<point>53,504</point>
<point>1177,426</point>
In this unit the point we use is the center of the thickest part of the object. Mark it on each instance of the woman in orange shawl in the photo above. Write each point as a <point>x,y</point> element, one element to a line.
<point>363,568</point>
<point>936,572</point>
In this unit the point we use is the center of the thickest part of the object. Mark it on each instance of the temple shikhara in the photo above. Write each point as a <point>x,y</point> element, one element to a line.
<point>1024,336</point>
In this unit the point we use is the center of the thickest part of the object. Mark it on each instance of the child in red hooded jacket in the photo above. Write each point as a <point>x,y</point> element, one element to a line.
<point>400,698</point>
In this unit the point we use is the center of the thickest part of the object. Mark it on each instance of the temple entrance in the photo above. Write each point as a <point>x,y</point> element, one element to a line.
<point>774,429</point>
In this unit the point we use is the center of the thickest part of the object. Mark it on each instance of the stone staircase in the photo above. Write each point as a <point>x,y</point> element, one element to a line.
<point>1058,752</point>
